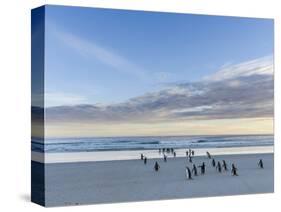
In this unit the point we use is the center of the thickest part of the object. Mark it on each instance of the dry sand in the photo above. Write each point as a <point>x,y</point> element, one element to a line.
<point>131,180</point>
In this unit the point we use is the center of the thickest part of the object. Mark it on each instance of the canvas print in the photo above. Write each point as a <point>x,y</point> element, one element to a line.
<point>139,105</point>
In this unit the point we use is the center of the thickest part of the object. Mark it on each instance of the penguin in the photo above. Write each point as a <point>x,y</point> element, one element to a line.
<point>190,159</point>
<point>186,153</point>
<point>219,167</point>
<point>209,155</point>
<point>165,158</point>
<point>260,164</point>
<point>213,162</point>
<point>175,154</point>
<point>224,165</point>
<point>234,170</point>
<point>194,170</point>
<point>192,152</point>
<point>145,160</point>
<point>203,168</point>
<point>141,156</point>
<point>188,173</point>
<point>156,166</point>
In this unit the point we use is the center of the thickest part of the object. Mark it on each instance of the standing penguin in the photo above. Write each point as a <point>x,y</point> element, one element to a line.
<point>234,170</point>
<point>208,154</point>
<point>219,166</point>
<point>156,166</point>
<point>175,154</point>
<point>141,156</point>
<point>190,159</point>
<point>213,162</point>
<point>186,153</point>
<point>188,173</point>
<point>194,170</point>
<point>145,160</point>
<point>202,168</point>
<point>224,165</point>
<point>192,153</point>
<point>260,163</point>
<point>165,158</point>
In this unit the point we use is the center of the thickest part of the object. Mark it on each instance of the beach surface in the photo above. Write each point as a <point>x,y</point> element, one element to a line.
<point>131,180</point>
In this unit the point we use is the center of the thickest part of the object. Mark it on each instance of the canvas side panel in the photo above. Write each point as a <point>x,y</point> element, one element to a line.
<point>37,105</point>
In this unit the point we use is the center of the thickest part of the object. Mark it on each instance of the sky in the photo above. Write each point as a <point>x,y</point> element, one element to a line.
<point>129,73</point>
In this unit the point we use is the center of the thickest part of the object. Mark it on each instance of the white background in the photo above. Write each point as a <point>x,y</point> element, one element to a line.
<point>15,104</point>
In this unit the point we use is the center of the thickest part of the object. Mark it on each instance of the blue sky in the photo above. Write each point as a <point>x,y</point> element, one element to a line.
<point>134,73</point>
<point>103,56</point>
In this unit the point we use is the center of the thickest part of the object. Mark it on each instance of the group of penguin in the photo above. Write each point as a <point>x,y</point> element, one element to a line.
<point>219,166</point>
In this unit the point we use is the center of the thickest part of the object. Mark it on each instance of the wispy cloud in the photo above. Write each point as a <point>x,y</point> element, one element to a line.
<point>59,98</point>
<point>242,90</point>
<point>92,50</point>
<point>260,66</point>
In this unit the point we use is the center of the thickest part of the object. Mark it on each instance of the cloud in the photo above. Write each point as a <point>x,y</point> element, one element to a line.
<point>260,66</point>
<point>242,90</point>
<point>59,98</point>
<point>92,50</point>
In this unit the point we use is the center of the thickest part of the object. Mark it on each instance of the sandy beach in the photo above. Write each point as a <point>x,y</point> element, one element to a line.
<point>131,180</point>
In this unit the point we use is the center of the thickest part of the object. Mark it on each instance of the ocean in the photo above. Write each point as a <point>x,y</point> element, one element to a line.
<point>64,145</point>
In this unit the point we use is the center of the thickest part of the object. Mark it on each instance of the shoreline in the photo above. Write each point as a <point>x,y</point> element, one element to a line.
<point>71,157</point>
